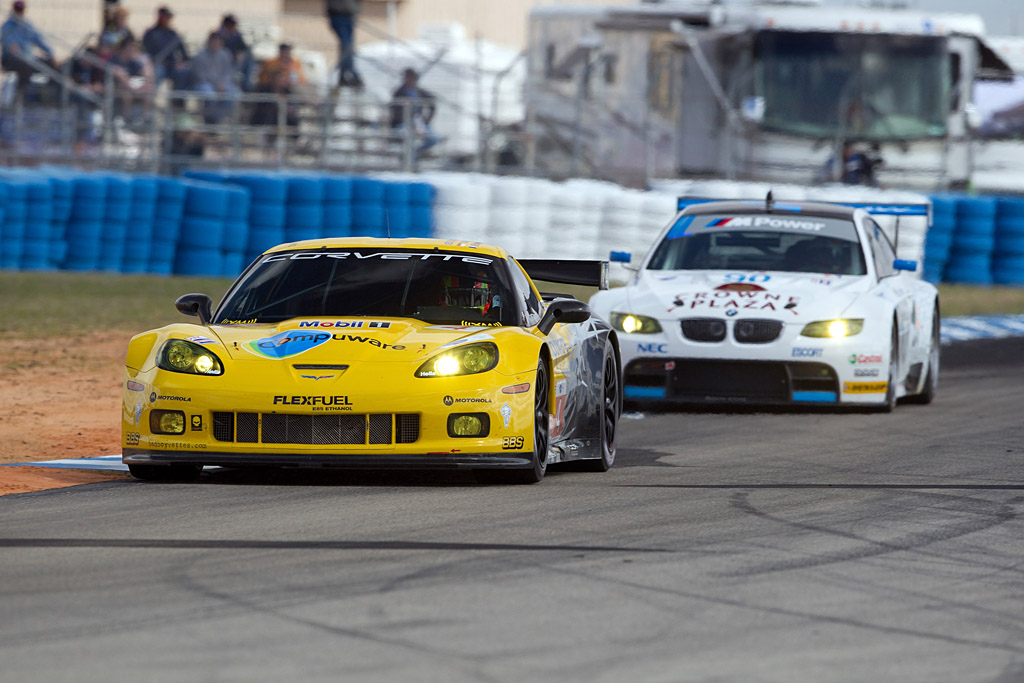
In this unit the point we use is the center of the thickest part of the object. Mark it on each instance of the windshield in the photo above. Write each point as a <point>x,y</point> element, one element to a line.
<point>433,286</point>
<point>872,87</point>
<point>779,243</point>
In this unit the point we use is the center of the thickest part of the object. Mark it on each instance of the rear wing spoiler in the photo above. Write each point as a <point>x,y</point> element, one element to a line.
<point>586,273</point>
<point>875,209</point>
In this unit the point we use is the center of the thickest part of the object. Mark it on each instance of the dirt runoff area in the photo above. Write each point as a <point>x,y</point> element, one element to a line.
<point>60,398</point>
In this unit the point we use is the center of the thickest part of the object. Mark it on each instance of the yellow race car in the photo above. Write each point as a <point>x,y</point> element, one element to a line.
<point>375,353</point>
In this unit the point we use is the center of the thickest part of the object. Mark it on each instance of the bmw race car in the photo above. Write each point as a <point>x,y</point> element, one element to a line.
<point>772,303</point>
<point>376,353</point>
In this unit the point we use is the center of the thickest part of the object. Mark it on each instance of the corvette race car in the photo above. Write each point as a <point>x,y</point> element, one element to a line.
<point>375,353</point>
<point>773,303</point>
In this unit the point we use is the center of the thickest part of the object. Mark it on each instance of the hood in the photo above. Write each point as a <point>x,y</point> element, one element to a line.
<point>789,297</point>
<point>342,340</point>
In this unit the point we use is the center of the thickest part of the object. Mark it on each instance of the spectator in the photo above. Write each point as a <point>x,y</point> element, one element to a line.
<point>90,70</point>
<point>116,29</point>
<point>138,83</point>
<point>18,38</point>
<point>240,53</point>
<point>213,75</point>
<point>413,104</point>
<point>284,62</point>
<point>342,15</point>
<point>268,112</point>
<point>165,48</point>
<point>186,142</point>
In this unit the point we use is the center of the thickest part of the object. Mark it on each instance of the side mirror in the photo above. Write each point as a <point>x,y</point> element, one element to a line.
<point>905,264</point>
<point>563,311</point>
<point>196,304</point>
<point>620,257</point>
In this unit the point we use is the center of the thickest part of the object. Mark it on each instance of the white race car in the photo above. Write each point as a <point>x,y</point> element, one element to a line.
<point>776,303</point>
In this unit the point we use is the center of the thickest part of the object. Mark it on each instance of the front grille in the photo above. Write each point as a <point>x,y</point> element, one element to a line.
<point>756,331</point>
<point>688,379</point>
<point>703,329</point>
<point>325,430</point>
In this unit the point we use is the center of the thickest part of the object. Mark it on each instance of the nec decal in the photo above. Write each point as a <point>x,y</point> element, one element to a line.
<point>652,348</point>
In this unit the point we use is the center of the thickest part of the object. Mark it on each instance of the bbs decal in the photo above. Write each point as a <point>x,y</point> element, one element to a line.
<point>512,443</point>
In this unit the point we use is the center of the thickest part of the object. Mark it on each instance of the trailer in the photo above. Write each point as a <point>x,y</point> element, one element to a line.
<point>769,91</point>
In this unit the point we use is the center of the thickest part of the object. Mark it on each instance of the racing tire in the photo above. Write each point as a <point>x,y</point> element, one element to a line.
<point>931,380</point>
<point>168,473</point>
<point>541,421</point>
<point>611,409</point>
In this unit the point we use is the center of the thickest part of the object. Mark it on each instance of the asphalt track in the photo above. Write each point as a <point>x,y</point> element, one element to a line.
<point>724,546</point>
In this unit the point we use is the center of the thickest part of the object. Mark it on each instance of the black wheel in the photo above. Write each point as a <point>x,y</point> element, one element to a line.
<point>611,408</point>
<point>166,472</point>
<point>890,392</point>
<point>931,380</point>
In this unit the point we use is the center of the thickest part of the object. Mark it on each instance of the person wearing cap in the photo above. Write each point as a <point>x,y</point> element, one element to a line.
<point>165,47</point>
<point>415,105</point>
<point>283,62</point>
<point>342,15</point>
<point>235,44</point>
<point>213,74</point>
<point>18,38</point>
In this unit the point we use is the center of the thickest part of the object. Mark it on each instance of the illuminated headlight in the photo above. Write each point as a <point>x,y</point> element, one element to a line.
<point>167,422</point>
<point>178,355</point>
<point>631,323</point>
<point>834,328</point>
<point>464,360</point>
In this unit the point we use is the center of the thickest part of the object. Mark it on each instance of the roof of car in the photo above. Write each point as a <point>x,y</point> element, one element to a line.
<point>387,243</point>
<point>817,209</point>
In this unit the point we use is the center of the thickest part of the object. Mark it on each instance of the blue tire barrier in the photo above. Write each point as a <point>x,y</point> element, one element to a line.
<point>89,187</point>
<point>206,200</point>
<point>261,239</point>
<point>367,190</point>
<point>145,189</point>
<point>202,233</point>
<point>266,188</point>
<point>421,194</point>
<point>368,220</point>
<point>136,257</point>
<point>1009,246</point>
<point>236,236</point>
<point>83,245</point>
<point>111,254</point>
<point>190,261</point>
<point>337,220</point>
<point>337,190</point>
<point>397,221</point>
<point>972,243</point>
<point>12,232</point>
<point>239,199</point>
<point>422,221</point>
<point>396,193</point>
<point>170,202</point>
<point>305,189</point>
<point>35,255</point>
<point>232,264</point>
<point>303,222</point>
<point>970,270</point>
<point>267,215</point>
<point>119,199</point>
<point>206,176</point>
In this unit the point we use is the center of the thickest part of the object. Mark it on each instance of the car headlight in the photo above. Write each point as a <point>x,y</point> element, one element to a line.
<point>178,355</point>
<point>464,360</point>
<point>834,328</point>
<point>630,323</point>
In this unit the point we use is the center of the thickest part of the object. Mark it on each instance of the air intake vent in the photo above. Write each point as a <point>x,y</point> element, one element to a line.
<point>703,329</point>
<point>756,331</point>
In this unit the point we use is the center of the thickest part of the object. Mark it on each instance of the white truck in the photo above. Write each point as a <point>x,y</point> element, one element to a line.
<point>768,91</point>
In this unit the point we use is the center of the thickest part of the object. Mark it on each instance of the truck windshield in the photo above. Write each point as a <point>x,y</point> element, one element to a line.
<point>871,87</point>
